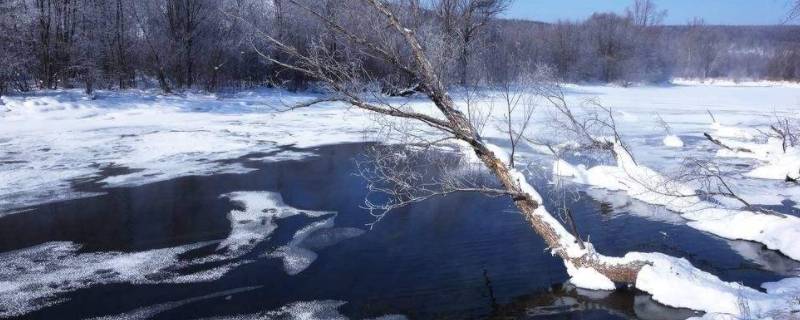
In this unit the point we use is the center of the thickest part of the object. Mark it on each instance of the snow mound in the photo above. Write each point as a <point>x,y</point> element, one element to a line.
<point>588,278</point>
<point>724,131</point>
<point>673,141</point>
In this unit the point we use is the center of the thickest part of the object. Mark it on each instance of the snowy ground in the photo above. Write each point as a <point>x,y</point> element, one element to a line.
<point>50,140</point>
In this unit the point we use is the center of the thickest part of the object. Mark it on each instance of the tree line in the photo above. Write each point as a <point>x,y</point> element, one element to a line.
<point>215,44</point>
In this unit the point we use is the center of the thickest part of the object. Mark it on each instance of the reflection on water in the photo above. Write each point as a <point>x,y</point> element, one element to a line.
<point>566,302</point>
<point>460,256</point>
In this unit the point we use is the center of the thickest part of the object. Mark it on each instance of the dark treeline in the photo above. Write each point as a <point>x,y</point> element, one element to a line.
<point>128,43</point>
<point>213,44</point>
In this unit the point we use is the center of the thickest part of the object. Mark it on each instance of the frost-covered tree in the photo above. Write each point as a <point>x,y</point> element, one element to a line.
<point>462,21</point>
<point>14,54</point>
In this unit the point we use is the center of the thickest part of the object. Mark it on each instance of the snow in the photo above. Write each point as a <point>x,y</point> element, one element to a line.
<point>35,277</point>
<point>257,221</point>
<point>150,312</point>
<point>671,281</point>
<point>645,184</point>
<point>673,141</point>
<point>675,282</point>
<point>774,161</point>
<point>307,310</point>
<point>724,131</point>
<point>734,83</point>
<point>49,139</point>
<point>295,257</point>
<point>588,278</point>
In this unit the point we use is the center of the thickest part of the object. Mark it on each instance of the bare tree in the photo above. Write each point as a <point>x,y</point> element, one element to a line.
<point>787,130</point>
<point>703,46</point>
<point>451,123</point>
<point>645,13</point>
<point>519,99</point>
<point>463,20</point>
<point>184,43</point>
<point>794,12</point>
<point>14,56</point>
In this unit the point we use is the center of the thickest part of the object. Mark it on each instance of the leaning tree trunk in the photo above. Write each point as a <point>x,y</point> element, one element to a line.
<point>464,131</point>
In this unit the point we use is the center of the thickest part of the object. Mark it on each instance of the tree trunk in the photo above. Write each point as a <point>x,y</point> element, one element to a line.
<point>463,61</point>
<point>463,130</point>
<point>162,82</point>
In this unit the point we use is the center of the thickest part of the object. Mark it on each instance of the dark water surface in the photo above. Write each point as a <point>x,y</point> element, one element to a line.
<point>461,256</point>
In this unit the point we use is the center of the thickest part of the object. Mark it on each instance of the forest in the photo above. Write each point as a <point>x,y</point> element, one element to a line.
<point>214,45</point>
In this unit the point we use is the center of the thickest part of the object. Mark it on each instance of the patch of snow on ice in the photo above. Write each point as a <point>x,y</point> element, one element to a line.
<point>295,257</point>
<point>49,139</point>
<point>256,221</point>
<point>34,277</point>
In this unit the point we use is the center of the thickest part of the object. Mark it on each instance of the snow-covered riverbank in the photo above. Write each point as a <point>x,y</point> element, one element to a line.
<point>51,138</point>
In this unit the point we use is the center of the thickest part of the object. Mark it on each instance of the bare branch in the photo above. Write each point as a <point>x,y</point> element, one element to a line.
<point>723,145</point>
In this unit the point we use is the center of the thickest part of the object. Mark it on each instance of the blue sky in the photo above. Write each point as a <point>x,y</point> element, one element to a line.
<point>748,12</point>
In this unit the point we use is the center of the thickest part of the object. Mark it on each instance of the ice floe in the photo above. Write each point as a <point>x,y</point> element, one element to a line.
<point>36,277</point>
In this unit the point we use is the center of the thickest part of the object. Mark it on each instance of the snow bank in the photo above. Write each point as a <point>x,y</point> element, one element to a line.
<point>675,282</point>
<point>670,280</point>
<point>776,233</point>
<point>734,83</point>
<point>774,161</point>
<point>645,184</point>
